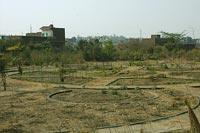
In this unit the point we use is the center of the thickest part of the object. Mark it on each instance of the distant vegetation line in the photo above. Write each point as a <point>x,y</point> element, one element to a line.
<point>45,53</point>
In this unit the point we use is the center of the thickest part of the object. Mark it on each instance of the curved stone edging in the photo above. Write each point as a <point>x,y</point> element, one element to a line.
<point>67,91</point>
<point>153,120</point>
<point>134,123</point>
<point>60,92</point>
<point>197,86</point>
<point>110,83</point>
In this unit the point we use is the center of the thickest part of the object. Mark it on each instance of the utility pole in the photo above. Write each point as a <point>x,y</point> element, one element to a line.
<point>30,28</point>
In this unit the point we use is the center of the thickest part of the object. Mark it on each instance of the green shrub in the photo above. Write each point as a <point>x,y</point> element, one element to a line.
<point>104,92</point>
<point>115,92</point>
<point>126,95</point>
<point>165,66</point>
<point>124,87</point>
<point>162,76</point>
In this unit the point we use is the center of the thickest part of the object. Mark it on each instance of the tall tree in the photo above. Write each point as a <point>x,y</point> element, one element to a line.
<point>91,49</point>
<point>109,50</point>
<point>173,37</point>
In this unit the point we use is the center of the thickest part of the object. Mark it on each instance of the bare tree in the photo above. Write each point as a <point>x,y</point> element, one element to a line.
<point>62,72</point>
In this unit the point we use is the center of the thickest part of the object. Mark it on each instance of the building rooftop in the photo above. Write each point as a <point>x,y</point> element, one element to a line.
<point>50,27</point>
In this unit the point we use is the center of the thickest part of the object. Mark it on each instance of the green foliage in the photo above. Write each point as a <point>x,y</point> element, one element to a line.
<point>153,57</point>
<point>137,57</point>
<point>37,58</point>
<point>5,44</point>
<point>124,87</point>
<point>115,92</point>
<point>193,55</point>
<point>40,46</point>
<point>165,66</point>
<point>161,76</point>
<point>93,50</point>
<point>62,72</point>
<point>108,51</point>
<point>104,92</point>
<point>173,37</point>
<point>17,47</point>
<point>2,64</point>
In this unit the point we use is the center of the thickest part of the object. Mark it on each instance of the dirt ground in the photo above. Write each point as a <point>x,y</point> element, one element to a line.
<point>26,106</point>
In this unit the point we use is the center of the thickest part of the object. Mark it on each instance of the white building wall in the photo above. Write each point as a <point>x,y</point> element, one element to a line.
<point>47,33</point>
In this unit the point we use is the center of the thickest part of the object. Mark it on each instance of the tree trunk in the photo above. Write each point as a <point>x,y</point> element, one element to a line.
<point>3,77</point>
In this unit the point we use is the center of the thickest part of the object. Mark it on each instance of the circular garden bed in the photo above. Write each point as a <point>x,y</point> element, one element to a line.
<point>51,77</point>
<point>117,107</point>
<point>151,81</point>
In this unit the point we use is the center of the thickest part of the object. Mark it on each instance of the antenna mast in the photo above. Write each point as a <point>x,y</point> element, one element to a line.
<point>30,28</point>
<point>140,35</point>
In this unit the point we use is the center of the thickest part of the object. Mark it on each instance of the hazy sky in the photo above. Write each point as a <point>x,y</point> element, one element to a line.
<point>101,17</point>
